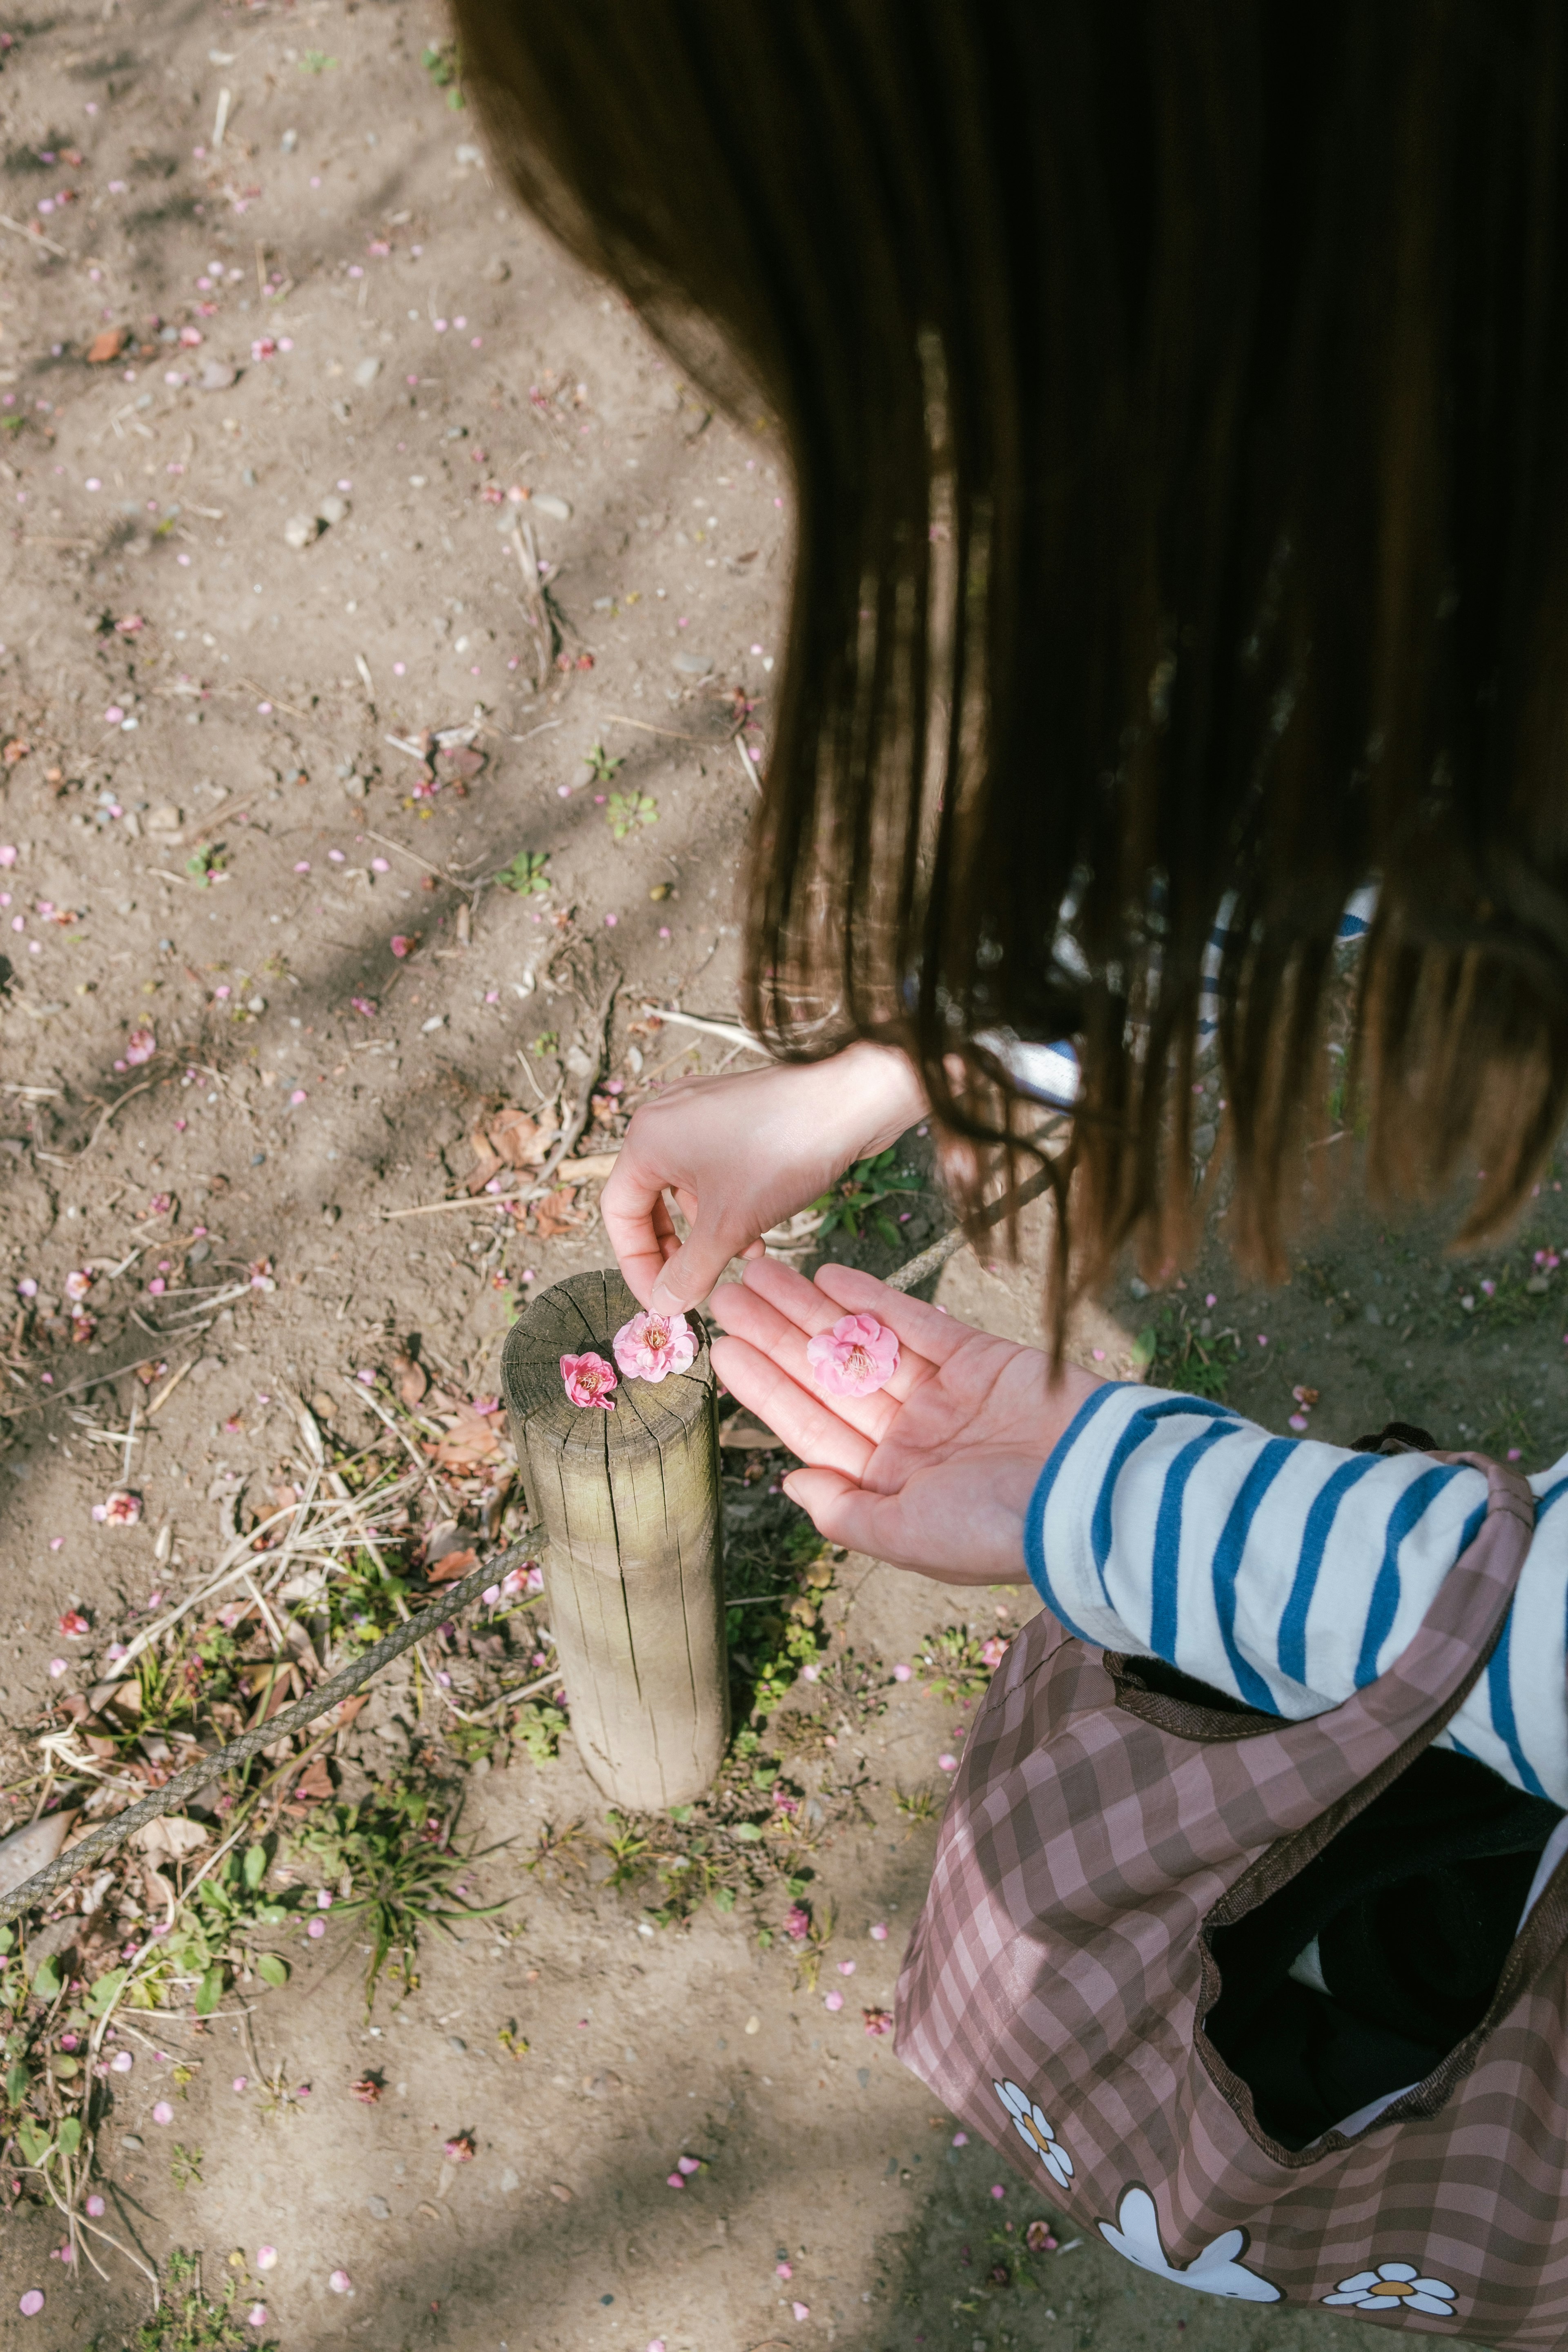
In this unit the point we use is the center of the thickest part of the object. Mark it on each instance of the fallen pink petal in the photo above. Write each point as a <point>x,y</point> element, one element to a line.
<point>141,1045</point>
<point>120,1508</point>
<point>801,2310</point>
<point>95,2206</point>
<point>901,1673</point>
<point>856,1359</point>
<point>833,2000</point>
<point>784,2270</point>
<point>32,2303</point>
<point>256,2316</point>
<point>688,2164</point>
<point>878,1932</point>
<point>947,1763</point>
<point>162,2113</point>
<point>588,1381</point>
<point>340,2283</point>
<point>266,2258</point>
<point>650,1347</point>
<point>673,2180</point>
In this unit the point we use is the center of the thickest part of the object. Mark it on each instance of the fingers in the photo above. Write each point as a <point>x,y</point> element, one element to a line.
<point>843,1511</point>
<point>740,1309</point>
<point>934,1335</point>
<point>638,1224</point>
<point>802,1422</point>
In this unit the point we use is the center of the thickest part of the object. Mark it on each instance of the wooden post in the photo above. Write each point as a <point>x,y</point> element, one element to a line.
<point>629,1500</point>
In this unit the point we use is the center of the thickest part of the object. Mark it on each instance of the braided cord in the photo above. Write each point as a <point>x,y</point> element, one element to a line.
<point>351,1678</point>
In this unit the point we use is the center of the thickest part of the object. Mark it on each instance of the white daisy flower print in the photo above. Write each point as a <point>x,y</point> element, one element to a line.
<point>1394,2286</point>
<point>1214,2271</point>
<point>1035,2132</point>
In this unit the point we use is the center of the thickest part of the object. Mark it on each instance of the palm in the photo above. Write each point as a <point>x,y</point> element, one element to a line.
<point>934,1472</point>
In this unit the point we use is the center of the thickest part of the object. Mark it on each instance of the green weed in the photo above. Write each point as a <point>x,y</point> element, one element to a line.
<point>526,876</point>
<point>626,811</point>
<point>1182,1355</point>
<point>443,62</point>
<point>395,1855</point>
<point>190,2321</point>
<point>603,764</point>
<point>855,1200</point>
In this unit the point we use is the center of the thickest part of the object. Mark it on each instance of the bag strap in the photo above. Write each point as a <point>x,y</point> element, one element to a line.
<point>1349,1755</point>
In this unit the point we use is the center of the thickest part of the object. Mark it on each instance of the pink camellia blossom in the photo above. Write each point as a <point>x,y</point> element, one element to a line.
<point>588,1379</point>
<point>878,2021</point>
<point>651,1346</point>
<point>77,1283</point>
<point>121,1508</point>
<point>141,1045</point>
<point>856,1359</point>
<point>798,1924</point>
<point>73,1625</point>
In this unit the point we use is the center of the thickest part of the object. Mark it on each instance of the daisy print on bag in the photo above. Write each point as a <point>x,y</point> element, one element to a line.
<point>1394,2286</point>
<point>1035,2132</point>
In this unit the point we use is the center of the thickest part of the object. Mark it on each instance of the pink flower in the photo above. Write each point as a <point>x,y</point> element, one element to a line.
<point>901,1672</point>
<point>856,1359</point>
<point>402,947</point>
<point>316,1928</point>
<point>73,1625</point>
<point>141,1045</point>
<point>8,852</point>
<point>846,1968</point>
<point>77,1283</point>
<point>1298,1421</point>
<point>992,1651</point>
<point>947,1763</point>
<point>673,2180</point>
<point>878,1933</point>
<point>458,2149</point>
<point>784,2270</point>
<point>256,2316</point>
<point>833,2001</point>
<point>120,1509</point>
<point>650,1347</point>
<point>878,2021</point>
<point>162,2113</point>
<point>340,2283</point>
<point>362,1004</point>
<point>266,2257</point>
<point>689,2164</point>
<point>31,2303</point>
<point>588,1379</point>
<point>241,2082</point>
<point>798,1924</point>
<point>801,2310</point>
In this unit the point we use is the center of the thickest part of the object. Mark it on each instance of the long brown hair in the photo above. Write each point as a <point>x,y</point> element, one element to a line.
<point>1178,401</point>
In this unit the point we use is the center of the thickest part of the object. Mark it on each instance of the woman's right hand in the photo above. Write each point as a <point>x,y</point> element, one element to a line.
<point>740,1154</point>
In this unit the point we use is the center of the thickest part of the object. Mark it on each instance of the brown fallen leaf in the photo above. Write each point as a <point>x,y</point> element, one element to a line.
<point>450,1565</point>
<point>314,1785</point>
<point>107,346</point>
<point>412,1378</point>
<point>557,1214</point>
<point>472,1440</point>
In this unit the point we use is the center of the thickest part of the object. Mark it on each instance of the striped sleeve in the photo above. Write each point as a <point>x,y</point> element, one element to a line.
<point>1290,1573</point>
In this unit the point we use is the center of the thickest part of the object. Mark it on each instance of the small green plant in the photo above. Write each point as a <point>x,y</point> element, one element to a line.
<point>922,1804</point>
<point>538,1725</point>
<point>185,2166</point>
<point>215,1930</point>
<point>526,876</point>
<point>443,62</point>
<point>189,2320</point>
<point>545,1043</point>
<point>394,1852</point>
<point>953,1665</point>
<point>855,1200</point>
<point>626,810</point>
<point>207,861</point>
<point>317,61</point>
<point>1179,1354</point>
<point>603,764</point>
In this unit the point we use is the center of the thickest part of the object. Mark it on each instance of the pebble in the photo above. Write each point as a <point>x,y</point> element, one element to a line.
<point>689,664</point>
<point>456,2042</point>
<point>134,2143</point>
<point>332,509</point>
<point>378,2208</point>
<point>496,272</point>
<point>366,372</point>
<point>217,375</point>
<point>547,503</point>
<point>299,530</point>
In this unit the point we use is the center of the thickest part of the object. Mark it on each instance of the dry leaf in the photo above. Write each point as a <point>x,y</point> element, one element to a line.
<point>107,346</point>
<point>315,1783</point>
<point>171,1837</point>
<point>470,1441</point>
<point>413,1380</point>
<point>450,1565</point>
<point>556,1214</point>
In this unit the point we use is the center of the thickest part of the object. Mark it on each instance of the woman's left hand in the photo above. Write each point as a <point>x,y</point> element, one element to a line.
<point>934,1472</point>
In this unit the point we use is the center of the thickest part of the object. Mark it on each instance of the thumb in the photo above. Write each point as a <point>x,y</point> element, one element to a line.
<point>691,1274</point>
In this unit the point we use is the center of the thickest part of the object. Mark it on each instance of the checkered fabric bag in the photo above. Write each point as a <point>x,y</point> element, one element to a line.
<point>1055,1988</point>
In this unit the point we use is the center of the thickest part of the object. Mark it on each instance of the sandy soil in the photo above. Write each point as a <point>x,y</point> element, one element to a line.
<point>315,450</point>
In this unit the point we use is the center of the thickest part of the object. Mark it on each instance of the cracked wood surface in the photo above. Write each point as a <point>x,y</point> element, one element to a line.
<point>634,1569</point>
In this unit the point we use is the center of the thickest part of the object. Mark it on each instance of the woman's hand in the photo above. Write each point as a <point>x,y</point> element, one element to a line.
<point>740,1154</point>
<point>935,1471</point>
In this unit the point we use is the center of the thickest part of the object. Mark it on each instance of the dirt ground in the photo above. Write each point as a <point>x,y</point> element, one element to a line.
<point>388,642</point>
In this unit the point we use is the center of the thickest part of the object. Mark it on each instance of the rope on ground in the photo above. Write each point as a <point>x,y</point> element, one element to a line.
<point>107,1836</point>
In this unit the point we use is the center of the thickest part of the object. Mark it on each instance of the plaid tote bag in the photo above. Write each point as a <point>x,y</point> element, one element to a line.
<point>1102,1836</point>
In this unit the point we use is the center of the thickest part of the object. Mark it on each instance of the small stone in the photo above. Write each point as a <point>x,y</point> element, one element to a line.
<point>217,375</point>
<point>1204,1140</point>
<point>199,1252</point>
<point>301,531</point>
<point>332,509</point>
<point>1371,1314</point>
<point>558,2189</point>
<point>165,818</point>
<point>754,2024</point>
<point>378,2208</point>
<point>547,503</point>
<point>689,664</point>
<point>496,272</point>
<point>355,787</point>
<point>366,372</point>
<point>456,2042</point>
<point>508,2181</point>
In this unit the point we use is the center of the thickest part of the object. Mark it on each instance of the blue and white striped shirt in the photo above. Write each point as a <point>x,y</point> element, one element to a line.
<point>1289,1573</point>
